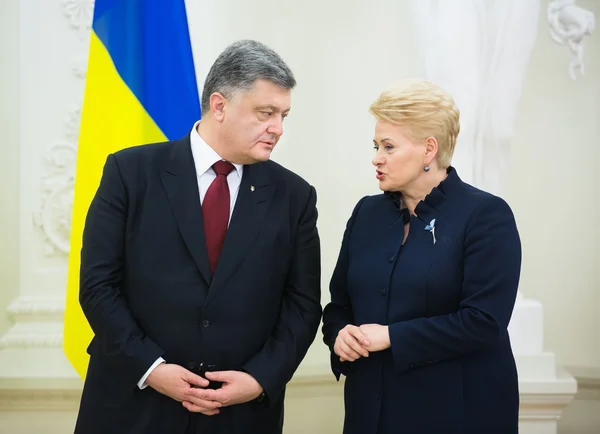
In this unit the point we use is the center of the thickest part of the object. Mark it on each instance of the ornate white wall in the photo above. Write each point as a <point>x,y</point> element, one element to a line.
<point>52,37</point>
<point>44,44</point>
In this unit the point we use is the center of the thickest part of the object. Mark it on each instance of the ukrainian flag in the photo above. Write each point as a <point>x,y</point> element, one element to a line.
<point>140,88</point>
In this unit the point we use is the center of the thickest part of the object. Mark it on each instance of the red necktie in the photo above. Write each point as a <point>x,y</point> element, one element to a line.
<point>215,212</point>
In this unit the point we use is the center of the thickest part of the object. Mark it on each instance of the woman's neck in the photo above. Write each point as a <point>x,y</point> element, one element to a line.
<point>416,192</point>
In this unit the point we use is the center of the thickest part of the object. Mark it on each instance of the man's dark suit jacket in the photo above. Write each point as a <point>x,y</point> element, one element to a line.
<point>450,368</point>
<point>147,291</point>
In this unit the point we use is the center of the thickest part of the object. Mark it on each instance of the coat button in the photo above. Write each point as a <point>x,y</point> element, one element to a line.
<point>411,366</point>
<point>391,258</point>
<point>384,292</point>
<point>205,323</point>
<point>377,396</point>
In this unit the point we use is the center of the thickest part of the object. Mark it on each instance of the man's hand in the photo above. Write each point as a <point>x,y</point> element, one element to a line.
<point>238,387</point>
<point>351,344</point>
<point>377,335</point>
<point>180,384</point>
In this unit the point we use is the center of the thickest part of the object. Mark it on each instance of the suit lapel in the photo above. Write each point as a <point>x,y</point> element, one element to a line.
<point>178,176</point>
<point>246,222</point>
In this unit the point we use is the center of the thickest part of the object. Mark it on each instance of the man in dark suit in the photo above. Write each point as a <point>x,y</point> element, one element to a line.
<point>201,262</point>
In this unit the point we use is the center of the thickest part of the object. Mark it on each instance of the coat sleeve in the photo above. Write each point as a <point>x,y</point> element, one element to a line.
<point>492,265</point>
<point>117,335</point>
<point>301,310</point>
<point>338,312</point>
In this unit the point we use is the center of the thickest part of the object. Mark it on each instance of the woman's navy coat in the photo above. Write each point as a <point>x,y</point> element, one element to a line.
<point>450,368</point>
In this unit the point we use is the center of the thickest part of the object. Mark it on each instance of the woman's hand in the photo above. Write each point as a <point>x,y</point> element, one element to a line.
<point>377,335</point>
<point>350,344</point>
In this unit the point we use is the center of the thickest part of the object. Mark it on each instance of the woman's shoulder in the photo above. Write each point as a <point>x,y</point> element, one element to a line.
<point>479,199</point>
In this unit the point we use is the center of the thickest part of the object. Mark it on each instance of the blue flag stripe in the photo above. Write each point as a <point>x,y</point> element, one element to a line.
<point>149,43</point>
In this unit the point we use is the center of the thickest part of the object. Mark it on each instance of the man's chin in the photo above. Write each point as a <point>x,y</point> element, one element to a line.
<point>261,157</point>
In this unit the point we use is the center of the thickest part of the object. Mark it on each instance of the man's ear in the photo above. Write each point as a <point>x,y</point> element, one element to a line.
<point>217,106</point>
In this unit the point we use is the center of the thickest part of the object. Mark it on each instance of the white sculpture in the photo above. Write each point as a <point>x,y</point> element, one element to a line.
<point>569,24</point>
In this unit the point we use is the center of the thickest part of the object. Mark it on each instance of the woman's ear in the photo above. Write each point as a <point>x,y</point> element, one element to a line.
<point>431,149</point>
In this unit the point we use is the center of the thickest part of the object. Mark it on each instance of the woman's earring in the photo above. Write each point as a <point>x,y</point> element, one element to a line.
<point>426,168</point>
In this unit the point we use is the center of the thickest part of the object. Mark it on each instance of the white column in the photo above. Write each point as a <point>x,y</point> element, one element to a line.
<point>51,41</point>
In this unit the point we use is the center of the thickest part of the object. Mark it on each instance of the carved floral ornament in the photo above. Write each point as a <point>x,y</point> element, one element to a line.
<point>569,25</point>
<point>80,14</point>
<point>53,218</point>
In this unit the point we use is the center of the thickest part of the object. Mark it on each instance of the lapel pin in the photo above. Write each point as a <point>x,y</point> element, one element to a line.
<point>251,188</point>
<point>431,228</point>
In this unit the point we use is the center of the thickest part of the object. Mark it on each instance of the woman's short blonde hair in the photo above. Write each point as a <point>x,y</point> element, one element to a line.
<point>425,110</point>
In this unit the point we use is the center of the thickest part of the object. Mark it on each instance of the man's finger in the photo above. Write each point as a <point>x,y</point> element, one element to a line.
<point>208,394</point>
<point>195,380</point>
<point>221,376</point>
<point>197,409</point>
<point>197,393</point>
<point>204,403</point>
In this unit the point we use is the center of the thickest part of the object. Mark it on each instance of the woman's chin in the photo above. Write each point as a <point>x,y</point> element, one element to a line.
<point>383,185</point>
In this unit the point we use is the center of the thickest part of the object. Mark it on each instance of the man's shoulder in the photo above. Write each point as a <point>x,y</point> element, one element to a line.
<point>143,152</point>
<point>280,173</point>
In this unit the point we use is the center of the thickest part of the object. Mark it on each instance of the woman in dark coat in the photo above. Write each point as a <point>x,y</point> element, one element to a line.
<point>425,285</point>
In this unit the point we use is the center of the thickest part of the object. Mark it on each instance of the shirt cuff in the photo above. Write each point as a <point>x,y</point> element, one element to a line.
<point>142,383</point>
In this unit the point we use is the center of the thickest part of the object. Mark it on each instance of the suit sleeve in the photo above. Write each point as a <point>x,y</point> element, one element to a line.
<point>118,337</point>
<point>300,313</point>
<point>338,313</point>
<point>492,265</point>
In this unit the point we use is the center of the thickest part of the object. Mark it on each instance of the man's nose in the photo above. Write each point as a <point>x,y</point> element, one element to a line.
<point>276,127</point>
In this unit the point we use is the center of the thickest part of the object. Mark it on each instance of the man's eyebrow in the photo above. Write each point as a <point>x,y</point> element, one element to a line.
<point>271,107</point>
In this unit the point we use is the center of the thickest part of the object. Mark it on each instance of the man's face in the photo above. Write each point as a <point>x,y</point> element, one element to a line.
<point>253,122</point>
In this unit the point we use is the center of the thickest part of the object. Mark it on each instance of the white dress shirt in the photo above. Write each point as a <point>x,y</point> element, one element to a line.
<point>204,158</point>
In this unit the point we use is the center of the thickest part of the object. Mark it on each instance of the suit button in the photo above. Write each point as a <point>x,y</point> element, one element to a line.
<point>391,259</point>
<point>384,292</point>
<point>205,323</point>
<point>411,366</point>
<point>377,396</point>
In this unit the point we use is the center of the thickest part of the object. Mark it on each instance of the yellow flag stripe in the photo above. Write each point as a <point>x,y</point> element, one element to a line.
<point>112,119</point>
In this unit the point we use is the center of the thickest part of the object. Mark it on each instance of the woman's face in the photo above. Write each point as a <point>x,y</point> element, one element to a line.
<point>399,162</point>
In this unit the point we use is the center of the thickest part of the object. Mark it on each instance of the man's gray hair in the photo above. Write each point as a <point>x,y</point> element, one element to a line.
<point>240,65</point>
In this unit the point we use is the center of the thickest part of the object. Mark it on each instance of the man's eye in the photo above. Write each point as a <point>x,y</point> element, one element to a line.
<point>267,114</point>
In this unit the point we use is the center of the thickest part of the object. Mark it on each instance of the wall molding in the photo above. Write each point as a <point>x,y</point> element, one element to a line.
<point>38,306</point>
<point>38,323</point>
<point>588,382</point>
<point>39,399</point>
<point>42,394</point>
